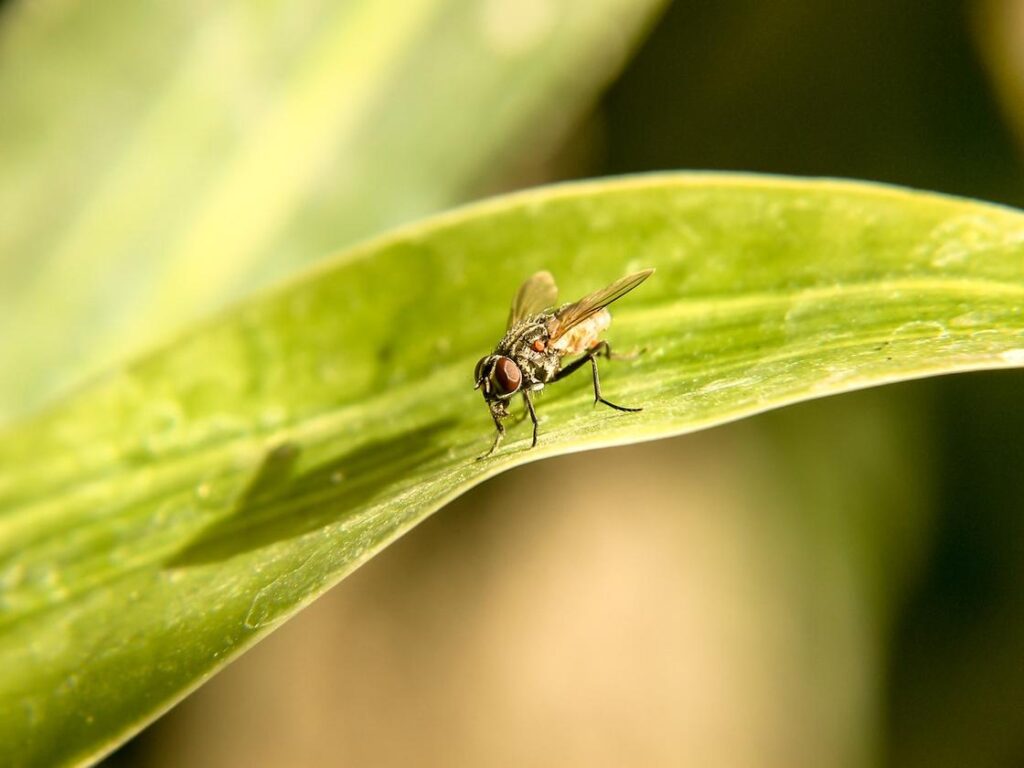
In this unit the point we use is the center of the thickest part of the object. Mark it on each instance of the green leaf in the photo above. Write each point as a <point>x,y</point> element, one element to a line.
<point>158,523</point>
<point>159,158</point>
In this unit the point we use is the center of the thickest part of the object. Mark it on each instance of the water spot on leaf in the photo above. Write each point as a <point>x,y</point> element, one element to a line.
<point>1013,356</point>
<point>927,329</point>
<point>971,319</point>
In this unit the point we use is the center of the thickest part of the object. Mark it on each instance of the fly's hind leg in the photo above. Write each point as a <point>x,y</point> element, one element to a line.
<point>603,348</point>
<point>599,349</point>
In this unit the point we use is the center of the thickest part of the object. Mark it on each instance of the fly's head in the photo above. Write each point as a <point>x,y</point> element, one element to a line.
<point>499,378</point>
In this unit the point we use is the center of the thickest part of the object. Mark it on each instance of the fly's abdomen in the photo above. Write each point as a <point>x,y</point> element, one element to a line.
<point>583,336</point>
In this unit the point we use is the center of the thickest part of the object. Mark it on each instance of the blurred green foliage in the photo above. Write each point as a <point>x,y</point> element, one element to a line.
<point>160,159</point>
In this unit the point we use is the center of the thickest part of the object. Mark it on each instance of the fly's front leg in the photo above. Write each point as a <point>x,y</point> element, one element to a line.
<point>533,415</point>
<point>500,434</point>
<point>591,355</point>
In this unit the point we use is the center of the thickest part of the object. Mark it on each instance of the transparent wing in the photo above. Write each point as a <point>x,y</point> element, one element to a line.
<point>535,295</point>
<point>573,314</point>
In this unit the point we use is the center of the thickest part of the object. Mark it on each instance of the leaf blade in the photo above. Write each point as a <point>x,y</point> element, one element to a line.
<point>164,519</point>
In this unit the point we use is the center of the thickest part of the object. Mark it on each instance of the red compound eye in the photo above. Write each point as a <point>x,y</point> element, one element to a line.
<point>507,376</point>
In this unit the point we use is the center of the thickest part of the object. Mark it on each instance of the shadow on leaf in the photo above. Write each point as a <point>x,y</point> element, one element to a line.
<point>280,504</point>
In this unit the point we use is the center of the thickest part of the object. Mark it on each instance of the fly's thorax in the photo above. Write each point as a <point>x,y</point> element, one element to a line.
<point>584,336</point>
<point>540,367</point>
<point>528,344</point>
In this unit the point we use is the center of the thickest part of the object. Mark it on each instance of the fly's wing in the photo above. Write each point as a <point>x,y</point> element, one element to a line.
<point>573,314</point>
<point>535,295</point>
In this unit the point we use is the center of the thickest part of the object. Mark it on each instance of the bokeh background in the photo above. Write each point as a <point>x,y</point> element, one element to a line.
<point>839,583</point>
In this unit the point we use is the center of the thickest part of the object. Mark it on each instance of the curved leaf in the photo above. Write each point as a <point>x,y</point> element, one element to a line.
<point>162,520</point>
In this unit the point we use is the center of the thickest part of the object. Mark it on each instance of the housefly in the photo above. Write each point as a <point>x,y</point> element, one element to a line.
<point>539,336</point>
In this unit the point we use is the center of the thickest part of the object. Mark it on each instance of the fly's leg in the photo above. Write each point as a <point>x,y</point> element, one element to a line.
<point>533,415</point>
<point>499,435</point>
<point>597,380</point>
<point>601,348</point>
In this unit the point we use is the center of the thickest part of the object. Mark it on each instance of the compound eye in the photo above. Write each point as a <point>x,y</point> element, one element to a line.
<point>507,376</point>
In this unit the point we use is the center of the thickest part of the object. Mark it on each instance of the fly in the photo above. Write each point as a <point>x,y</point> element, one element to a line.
<point>539,336</point>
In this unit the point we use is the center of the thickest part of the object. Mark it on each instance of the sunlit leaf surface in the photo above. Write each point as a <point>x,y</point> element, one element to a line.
<point>159,522</point>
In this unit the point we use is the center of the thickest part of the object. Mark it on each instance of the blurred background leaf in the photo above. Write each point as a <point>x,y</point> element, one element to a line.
<point>162,158</point>
<point>999,28</point>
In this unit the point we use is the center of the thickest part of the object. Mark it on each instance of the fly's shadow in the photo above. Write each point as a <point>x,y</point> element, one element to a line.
<point>279,504</point>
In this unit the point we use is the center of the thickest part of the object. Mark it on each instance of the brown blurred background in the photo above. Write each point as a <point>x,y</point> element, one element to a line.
<point>839,583</point>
